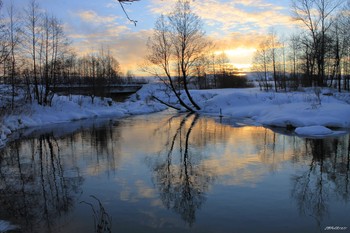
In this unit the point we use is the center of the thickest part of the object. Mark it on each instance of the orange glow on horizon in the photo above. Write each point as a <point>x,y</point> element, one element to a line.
<point>240,57</point>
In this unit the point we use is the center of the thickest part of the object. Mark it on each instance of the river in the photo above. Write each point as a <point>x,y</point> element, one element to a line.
<point>173,173</point>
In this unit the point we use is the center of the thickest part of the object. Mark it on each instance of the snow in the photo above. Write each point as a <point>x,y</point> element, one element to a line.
<point>6,226</point>
<point>73,108</point>
<point>310,112</point>
<point>316,130</point>
<point>304,108</point>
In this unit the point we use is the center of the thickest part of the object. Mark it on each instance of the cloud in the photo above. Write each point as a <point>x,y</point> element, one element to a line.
<point>237,39</point>
<point>91,16</point>
<point>90,32</point>
<point>238,46</point>
<point>233,15</point>
<point>128,47</point>
<point>131,49</point>
<point>229,16</point>
<point>235,26</point>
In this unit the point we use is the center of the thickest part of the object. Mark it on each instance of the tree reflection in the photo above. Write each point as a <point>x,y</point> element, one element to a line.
<point>180,177</point>
<point>327,176</point>
<point>35,188</point>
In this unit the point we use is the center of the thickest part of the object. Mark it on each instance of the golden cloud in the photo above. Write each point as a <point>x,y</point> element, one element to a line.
<point>92,17</point>
<point>233,15</point>
<point>129,47</point>
<point>98,31</point>
<point>241,30</point>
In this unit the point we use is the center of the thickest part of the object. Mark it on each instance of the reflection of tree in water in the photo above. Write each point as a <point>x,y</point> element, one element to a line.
<point>182,181</point>
<point>35,188</point>
<point>326,178</point>
<point>103,142</point>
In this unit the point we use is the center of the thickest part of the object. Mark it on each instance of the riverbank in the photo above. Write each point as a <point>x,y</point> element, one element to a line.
<point>311,112</point>
<point>71,108</point>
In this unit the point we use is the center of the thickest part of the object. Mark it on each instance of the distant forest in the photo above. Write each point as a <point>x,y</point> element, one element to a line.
<point>317,54</point>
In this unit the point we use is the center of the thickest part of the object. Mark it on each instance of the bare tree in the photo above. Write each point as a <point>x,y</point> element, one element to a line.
<point>201,67</point>
<point>4,39</point>
<point>161,55</point>
<point>261,61</point>
<point>317,16</point>
<point>272,41</point>
<point>177,43</point>
<point>294,56</point>
<point>32,21</point>
<point>222,61</point>
<point>14,34</point>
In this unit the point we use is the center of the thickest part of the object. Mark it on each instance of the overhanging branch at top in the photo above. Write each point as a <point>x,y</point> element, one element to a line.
<point>121,2</point>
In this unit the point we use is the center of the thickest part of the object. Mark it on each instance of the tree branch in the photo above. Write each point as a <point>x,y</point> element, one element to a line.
<point>162,102</point>
<point>121,2</point>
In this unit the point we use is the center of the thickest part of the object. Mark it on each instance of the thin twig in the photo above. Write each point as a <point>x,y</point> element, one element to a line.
<point>121,2</point>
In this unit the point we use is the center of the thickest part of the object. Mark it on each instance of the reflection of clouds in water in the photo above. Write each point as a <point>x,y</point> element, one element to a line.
<point>125,193</point>
<point>184,177</point>
<point>144,191</point>
<point>241,155</point>
<point>157,203</point>
<point>135,191</point>
<point>235,155</point>
<point>232,171</point>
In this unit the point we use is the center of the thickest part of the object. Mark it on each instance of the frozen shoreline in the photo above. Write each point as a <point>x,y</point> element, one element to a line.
<point>72,108</point>
<point>311,114</point>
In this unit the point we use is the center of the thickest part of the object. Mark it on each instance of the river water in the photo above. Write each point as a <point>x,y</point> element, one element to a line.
<point>173,173</point>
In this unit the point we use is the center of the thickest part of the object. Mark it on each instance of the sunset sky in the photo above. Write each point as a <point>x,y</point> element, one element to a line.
<point>234,25</point>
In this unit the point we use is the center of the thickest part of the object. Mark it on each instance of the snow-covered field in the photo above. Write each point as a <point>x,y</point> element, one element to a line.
<point>312,112</point>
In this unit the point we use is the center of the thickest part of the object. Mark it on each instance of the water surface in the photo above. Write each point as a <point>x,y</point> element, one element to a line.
<point>173,173</point>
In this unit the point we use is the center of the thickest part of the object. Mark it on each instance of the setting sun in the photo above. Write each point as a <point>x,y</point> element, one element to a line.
<point>240,58</point>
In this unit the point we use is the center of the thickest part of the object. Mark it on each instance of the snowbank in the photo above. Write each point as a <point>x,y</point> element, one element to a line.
<point>316,130</point>
<point>288,110</point>
<point>73,108</point>
<point>291,110</point>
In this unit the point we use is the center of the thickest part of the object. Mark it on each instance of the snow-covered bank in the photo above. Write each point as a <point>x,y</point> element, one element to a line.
<point>279,109</point>
<point>305,108</point>
<point>72,108</point>
<point>321,111</point>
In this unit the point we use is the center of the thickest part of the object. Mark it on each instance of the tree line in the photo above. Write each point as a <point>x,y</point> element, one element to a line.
<point>317,54</point>
<point>36,55</point>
